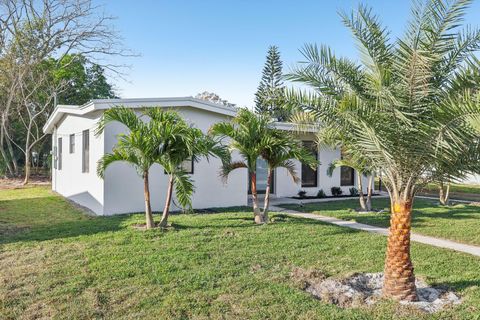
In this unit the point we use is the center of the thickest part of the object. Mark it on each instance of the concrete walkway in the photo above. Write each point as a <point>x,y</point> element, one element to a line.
<point>441,243</point>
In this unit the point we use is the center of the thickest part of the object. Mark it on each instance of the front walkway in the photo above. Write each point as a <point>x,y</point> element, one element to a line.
<point>441,243</point>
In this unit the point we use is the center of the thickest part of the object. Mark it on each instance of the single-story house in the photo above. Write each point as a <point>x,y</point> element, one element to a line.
<point>76,150</point>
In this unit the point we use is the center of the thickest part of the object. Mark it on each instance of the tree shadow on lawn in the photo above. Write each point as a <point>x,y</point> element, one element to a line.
<point>459,285</point>
<point>51,217</point>
<point>62,230</point>
<point>278,219</point>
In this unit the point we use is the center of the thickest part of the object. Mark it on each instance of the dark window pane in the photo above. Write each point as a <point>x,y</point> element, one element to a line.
<point>59,153</point>
<point>347,174</point>
<point>72,143</point>
<point>85,151</point>
<point>309,176</point>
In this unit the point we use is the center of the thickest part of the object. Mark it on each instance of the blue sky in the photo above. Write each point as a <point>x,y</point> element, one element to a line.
<point>187,47</point>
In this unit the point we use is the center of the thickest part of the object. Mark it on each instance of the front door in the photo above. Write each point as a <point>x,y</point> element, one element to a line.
<point>262,173</point>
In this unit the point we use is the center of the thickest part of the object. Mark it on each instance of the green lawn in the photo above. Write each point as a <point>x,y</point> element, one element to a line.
<point>457,191</point>
<point>57,263</point>
<point>459,222</point>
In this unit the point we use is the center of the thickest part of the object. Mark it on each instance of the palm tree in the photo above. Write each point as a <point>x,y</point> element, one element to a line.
<point>246,132</point>
<point>137,147</point>
<point>280,149</point>
<point>178,144</point>
<point>361,169</point>
<point>408,107</point>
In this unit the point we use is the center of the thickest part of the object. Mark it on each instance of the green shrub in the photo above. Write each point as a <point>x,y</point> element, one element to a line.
<point>353,191</point>
<point>336,191</point>
<point>302,193</point>
<point>321,194</point>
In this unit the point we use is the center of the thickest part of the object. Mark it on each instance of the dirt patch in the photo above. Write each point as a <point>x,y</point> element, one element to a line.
<point>365,289</point>
<point>18,183</point>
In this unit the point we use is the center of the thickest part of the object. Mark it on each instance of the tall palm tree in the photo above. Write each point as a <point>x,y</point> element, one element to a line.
<point>246,134</point>
<point>138,147</point>
<point>408,107</point>
<point>179,143</point>
<point>280,149</point>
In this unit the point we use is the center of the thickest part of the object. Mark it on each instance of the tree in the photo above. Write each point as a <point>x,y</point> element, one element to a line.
<point>269,98</point>
<point>246,134</point>
<point>179,144</point>
<point>33,34</point>
<point>215,98</point>
<point>138,147</point>
<point>361,169</point>
<point>280,149</point>
<point>409,108</point>
<point>254,136</point>
<point>83,80</point>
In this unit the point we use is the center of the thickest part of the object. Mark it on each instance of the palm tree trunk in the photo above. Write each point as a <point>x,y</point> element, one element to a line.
<point>360,191</point>
<point>369,193</point>
<point>258,216</point>
<point>443,193</point>
<point>399,280</point>
<point>148,207</point>
<point>266,205</point>
<point>166,209</point>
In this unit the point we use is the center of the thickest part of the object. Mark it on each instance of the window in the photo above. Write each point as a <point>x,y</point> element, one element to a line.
<point>72,143</point>
<point>55,157</point>
<point>309,176</point>
<point>262,178</point>
<point>187,165</point>
<point>347,175</point>
<point>59,154</point>
<point>85,150</point>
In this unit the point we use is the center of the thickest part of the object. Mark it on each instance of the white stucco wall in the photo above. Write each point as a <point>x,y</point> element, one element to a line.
<point>285,187</point>
<point>84,188</point>
<point>124,188</point>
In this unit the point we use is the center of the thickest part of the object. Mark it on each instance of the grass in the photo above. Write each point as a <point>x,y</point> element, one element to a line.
<point>59,263</point>
<point>457,191</point>
<point>456,188</point>
<point>460,222</point>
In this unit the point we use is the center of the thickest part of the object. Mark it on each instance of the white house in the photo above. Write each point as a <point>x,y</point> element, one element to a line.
<point>77,149</point>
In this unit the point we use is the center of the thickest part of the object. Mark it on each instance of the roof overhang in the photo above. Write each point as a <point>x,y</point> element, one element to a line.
<point>105,104</point>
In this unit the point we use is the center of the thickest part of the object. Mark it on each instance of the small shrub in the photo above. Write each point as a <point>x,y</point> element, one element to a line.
<point>336,191</point>
<point>321,194</point>
<point>302,193</point>
<point>353,191</point>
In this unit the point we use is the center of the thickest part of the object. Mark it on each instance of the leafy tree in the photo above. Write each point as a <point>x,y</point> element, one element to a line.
<point>83,81</point>
<point>178,143</point>
<point>215,98</point>
<point>269,98</point>
<point>253,136</point>
<point>280,149</point>
<point>37,38</point>
<point>409,108</point>
<point>246,134</point>
<point>138,147</point>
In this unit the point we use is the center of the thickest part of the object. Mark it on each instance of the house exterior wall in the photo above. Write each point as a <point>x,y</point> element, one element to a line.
<point>121,190</point>
<point>84,188</point>
<point>285,187</point>
<point>124,188</point>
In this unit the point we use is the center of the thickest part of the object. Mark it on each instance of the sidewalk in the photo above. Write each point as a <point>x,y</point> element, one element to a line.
<point>436,242</point>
